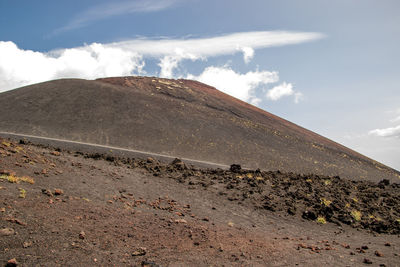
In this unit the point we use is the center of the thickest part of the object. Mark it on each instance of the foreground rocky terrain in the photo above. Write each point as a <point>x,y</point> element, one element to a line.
<point>65,208</point>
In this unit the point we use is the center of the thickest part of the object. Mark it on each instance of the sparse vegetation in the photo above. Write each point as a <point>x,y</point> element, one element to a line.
<point>325,202</point>
<point>16,179</point>
<point>356,215</point>
<point>321,220</point>
<point>7,144</point>
<point>22,192</point>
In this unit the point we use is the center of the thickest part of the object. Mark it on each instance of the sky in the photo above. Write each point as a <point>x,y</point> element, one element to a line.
<point>329,66</point>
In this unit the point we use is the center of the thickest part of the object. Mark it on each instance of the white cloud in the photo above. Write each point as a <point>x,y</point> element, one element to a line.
<point>22,67</point>
<point>227,44</point>
<point>282,90</point>
<point>239,85</point>
<point>279,91</point>
<point>248,54</point>
<point>178,50</point>
<point>255,101</point>
<point>167,65</point>
<point>298,97</point>
<point>115,8</point>
<point>386,132</point>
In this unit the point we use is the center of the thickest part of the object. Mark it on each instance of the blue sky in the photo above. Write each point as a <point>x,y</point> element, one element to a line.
<point>329,66</point>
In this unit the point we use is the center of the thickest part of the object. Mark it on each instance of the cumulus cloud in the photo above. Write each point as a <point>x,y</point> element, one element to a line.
<point>115,8</point>
<point>282,90</point>
<point>386,132</point>
<point>21,67</point>
<point>279,91</point>
<point>390,131</point>
<point>239,85</point>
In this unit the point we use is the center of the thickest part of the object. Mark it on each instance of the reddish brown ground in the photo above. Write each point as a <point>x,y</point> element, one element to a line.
<point>108,212</point>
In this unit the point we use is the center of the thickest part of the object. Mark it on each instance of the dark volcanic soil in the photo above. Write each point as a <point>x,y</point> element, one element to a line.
<point>60,208</point>
<point>180,118</point>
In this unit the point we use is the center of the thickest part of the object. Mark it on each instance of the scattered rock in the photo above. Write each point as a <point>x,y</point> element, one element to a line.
<point>55,153</point>
<point>178,164</point>
<point>82,235</point>
<point>17,221</point>
<point>235,168</point>
<point>309,215</point>
<point>139,252</point>
<point>367,261</point>
<point>8,172</point>
<point>27,244</point>
<point>180,221</point>
<point>378,253</point>
<point>58,192</point>
<point>47,192</point>
<point>7,232</point>
<point>365,247</point>
<point>346,246</point>
<point>12,263</point>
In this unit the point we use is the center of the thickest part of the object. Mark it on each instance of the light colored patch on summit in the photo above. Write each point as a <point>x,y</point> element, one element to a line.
<point>170,83</point>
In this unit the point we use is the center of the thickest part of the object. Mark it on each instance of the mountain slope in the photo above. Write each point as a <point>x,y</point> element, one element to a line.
<point>180,118</point>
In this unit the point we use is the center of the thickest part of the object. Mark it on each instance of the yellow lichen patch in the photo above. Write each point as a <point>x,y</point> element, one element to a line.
<point>6,144</point>
<point>356,215</point>
<point>321,220</point>
<point>259,178</point>
<point>16,179</point>
<point>347,205</point>
<point>239,176</point>
<point>27,179</point>
<point>326,202</point>
<point>355,199</point>
<point>309,180</point>
<point>22,192</point>
<point>317,147</point>
<point>327,182</point>
<point>249,175</point>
